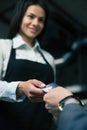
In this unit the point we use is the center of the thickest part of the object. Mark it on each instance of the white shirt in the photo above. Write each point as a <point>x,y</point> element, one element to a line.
<point>23,51</point>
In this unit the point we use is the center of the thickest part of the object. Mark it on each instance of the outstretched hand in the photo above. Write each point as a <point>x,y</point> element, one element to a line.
<point>31,89</point>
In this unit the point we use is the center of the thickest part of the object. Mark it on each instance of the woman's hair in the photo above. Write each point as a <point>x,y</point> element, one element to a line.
<point>19,12</point>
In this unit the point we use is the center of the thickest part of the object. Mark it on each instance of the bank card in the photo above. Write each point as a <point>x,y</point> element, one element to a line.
<point>49,86</point>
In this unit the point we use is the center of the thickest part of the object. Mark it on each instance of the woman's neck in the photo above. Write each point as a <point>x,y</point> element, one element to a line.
<point>29,41</point>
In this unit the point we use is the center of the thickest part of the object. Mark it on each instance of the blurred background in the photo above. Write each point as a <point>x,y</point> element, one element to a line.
<point>65,39</point>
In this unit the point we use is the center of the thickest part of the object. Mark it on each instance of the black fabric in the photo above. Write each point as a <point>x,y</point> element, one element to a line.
<point>25,115</point>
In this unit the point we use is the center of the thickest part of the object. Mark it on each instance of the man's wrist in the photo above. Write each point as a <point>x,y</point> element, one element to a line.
<point>72,100</point>
<point>67,100</point>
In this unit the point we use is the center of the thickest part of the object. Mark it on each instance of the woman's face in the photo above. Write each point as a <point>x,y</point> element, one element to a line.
<point>32,23</point>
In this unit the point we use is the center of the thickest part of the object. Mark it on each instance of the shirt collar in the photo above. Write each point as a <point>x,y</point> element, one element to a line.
<point>18,42</point>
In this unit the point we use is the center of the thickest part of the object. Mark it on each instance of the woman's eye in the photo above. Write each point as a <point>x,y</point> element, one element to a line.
<point>41,20</point>
<point>30,16</point>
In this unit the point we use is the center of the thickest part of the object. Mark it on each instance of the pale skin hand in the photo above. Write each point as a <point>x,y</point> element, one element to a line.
<point>32,89</point>
<point>53,97</point>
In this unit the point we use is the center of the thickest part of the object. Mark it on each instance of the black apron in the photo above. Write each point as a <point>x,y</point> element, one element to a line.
<point>26,115</point>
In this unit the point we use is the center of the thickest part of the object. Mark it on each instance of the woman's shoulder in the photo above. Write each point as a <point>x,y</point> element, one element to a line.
<point>5,43</point>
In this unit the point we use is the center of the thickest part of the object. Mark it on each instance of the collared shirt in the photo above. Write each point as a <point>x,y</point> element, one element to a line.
<point>23,51</point>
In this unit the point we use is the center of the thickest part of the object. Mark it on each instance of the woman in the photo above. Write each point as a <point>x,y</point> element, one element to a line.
<point>24,68</point>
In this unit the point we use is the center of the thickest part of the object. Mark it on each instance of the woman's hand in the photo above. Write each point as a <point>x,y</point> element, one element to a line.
<point>32,89</point>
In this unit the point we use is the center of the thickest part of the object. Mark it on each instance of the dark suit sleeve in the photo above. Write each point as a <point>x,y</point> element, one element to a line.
<point>73,117</point>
